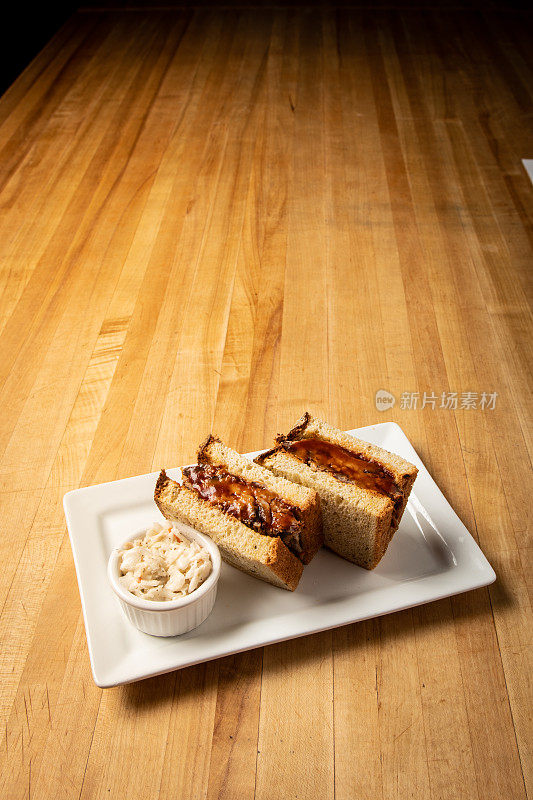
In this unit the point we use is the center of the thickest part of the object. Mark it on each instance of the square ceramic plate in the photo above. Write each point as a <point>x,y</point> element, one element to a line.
<point>431,556</point>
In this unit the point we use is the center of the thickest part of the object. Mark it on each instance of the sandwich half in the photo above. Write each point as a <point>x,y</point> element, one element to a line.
<point>263,524</point>
<point>363,489</point>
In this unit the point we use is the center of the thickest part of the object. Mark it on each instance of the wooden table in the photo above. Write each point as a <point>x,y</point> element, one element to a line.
<point>216,220</point>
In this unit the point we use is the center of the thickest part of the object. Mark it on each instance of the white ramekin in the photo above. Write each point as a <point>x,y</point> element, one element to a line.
<point>171,617</point>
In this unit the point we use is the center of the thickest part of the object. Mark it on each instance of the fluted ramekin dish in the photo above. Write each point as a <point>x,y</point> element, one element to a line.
<point>168,617</point>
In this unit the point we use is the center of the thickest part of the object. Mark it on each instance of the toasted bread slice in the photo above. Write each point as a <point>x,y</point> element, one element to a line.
<point>358,522</point>
<point>306,500</point>
<point>264,557</point>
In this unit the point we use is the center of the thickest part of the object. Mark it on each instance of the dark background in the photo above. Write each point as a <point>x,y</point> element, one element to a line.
<point>24,30</point>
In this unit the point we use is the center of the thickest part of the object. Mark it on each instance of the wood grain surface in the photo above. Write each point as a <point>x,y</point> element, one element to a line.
<point>214,219</point>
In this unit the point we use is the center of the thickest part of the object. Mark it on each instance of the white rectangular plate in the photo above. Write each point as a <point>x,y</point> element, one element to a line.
<point>431,556</point>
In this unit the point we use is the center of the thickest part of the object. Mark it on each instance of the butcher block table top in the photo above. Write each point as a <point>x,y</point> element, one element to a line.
<point>215,219</point>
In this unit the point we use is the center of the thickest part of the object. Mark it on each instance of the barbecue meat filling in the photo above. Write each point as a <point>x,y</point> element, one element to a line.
<point>251,503</point>
<point>347,467</point>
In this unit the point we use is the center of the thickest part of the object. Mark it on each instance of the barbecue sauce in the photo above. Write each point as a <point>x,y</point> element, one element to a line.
<point>251,503</point>
<point>345,465</point>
